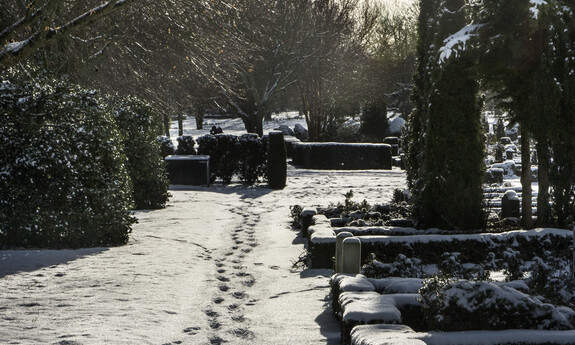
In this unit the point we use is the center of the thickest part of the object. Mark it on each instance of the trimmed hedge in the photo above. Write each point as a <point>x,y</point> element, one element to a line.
<point>430,247</point>
<point>342,156</point>
<point>244,156</point>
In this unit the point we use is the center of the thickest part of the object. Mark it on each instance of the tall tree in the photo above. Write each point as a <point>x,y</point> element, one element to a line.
<point>448,191</point>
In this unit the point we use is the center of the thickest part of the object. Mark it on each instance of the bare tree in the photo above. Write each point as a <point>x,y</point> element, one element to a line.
<point>27,26</point>
<point>331,55</point>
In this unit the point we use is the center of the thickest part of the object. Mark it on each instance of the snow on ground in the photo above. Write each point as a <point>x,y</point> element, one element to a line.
<point>214,267</point>
<point>234,126</point>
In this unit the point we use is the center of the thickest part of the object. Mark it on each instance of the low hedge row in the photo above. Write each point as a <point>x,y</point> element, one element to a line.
<point>230,155</point>
<point>430,247</point>
<point>342,156</point>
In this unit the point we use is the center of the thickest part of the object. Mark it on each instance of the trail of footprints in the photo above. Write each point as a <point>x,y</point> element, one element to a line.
<point>225,312</point>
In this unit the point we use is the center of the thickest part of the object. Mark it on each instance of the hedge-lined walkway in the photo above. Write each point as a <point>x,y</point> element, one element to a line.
<point>215,266</point>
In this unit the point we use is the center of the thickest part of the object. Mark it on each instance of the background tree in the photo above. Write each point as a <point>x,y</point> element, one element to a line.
<point>392,48</point>
<point>331,53</point>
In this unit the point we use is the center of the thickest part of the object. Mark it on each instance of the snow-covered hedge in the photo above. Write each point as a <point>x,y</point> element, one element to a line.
<point>138,125</point>
<point>488,306</point>
<point>63,177</point>
<point>342,156</point>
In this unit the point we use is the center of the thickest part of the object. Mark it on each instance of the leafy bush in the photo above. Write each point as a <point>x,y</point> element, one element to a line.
<point>253,160</point>
<point>513,264</point>
<point>186,145</point>
<point>227,156</point>
<point>552,278</point>
<point>374,123</point>
<point>401,267</point>
<point>147,169</point>
<point>166,146</point>
<point>451,266</point>
<point>244,156</point>
<point>63,178</point>
<point>486,306</point>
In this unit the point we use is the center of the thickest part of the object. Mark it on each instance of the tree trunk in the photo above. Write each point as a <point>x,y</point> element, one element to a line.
<point>543,206</point>
<point>167,125</point>
<point>180,125</point>
<point>199,121</point>
<point>253,124</point>
<point>527,193</point>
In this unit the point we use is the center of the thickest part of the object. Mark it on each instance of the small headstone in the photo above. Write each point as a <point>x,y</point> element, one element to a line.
<point>510,205</point>
<point>509,155</point>
<point>339,250</point>
<point>300,132</point>
<point>351,255</point>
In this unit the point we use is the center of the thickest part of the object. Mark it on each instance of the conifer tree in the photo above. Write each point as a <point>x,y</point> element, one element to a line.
<point>446,151</point>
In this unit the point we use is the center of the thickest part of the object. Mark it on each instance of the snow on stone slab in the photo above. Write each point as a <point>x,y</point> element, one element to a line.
<point>366,307</point>
<point>352,282</point>
<point>396,285</point>
<point>376,230</point>
<point>384,335</point>
<point>499,337</point>
<point>321,233</point>
<point>484,237</point>
<point>403,335</point>
<point>308,212</point>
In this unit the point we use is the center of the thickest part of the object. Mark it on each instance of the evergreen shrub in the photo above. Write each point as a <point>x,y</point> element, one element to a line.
<point>374,123</point>
<point>244,156</point>
<point>253,160</point>
<point>227,156</point>
<point>186,145</point>
<point>63,179</point>
<point>166,146</point>
<point>277,160</point>
<point>486,306</point>
<point>138,123</point>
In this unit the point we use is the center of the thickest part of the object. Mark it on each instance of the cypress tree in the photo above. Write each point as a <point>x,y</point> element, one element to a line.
<point>446,151</point>
<point>415,126</point>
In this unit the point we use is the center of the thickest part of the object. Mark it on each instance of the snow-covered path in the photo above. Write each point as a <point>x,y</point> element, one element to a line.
<point>214,267</point>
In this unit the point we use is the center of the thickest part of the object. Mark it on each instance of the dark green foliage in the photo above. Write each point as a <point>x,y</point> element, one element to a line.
<point>277,160</point>
<point>374,123</point>
<point>552,278</point>
<point>342,156</point>
<point>64,181</point>
<point>253,158</point>
<point>244,156</point>
<point>401,267</point>
<point>227,156</point>
<point>186,145</point>
<point>138,124</point>
<point>486,306</point>
<point>445,153</point>
<point>166,146</point>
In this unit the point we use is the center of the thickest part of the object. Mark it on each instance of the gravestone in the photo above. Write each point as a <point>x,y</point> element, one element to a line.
<point>510,205</point>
